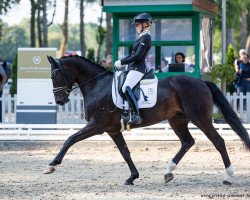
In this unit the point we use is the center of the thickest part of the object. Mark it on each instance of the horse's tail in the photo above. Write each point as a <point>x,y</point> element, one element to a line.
<point>230,116</point>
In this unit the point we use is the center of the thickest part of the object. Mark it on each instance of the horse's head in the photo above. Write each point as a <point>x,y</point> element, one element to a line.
<point>61,83</point>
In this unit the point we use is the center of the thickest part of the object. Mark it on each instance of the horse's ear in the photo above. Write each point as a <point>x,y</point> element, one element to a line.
<point>52,61</point>
<point>49,59</point>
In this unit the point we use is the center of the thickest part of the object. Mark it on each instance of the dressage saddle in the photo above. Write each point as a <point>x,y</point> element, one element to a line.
<point>146,79</point>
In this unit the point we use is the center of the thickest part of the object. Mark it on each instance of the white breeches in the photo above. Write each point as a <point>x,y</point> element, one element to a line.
<point>132,79</point>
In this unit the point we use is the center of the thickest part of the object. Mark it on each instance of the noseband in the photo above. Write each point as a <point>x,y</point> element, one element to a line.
<point>66,88</point>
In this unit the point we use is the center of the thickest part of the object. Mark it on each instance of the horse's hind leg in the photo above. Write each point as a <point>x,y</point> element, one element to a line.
<point>122,146</point>
<point>211,133</point>
<point>179,123</point>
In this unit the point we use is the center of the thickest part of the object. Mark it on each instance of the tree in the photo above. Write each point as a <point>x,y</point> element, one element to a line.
<point>236,26</point>
<point>64,41</point>
<point>233,20</point>
<point>91,54</point>
<point>39,7</point>
<point>230,58</point>
<point>247,46</point>
<point>13,87</point>
<point>5,5</point>
<point>82,33</point>
<point>108,34</point>
<point>223,74</point>
<point>42,21</point>
<point>33,23</point>
<point>13,37</point>
<point>100,35</point>
<point>82,5</point>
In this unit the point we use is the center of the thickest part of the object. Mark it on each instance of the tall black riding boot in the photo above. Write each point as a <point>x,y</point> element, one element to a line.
<point>136,118</point>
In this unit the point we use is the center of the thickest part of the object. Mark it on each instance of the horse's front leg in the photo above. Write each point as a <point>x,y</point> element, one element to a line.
<point>88,131</point>
<point>122,146</point>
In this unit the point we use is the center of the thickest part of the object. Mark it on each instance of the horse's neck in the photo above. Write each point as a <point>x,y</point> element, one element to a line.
<point>101,85</point>
<point>93,78</point>
<point>91,69</point>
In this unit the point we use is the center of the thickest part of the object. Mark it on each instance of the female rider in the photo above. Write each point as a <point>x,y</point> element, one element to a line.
<point>136,62</point>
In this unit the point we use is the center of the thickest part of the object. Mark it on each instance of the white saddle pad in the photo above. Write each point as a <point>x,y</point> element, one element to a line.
<point>149,88</point>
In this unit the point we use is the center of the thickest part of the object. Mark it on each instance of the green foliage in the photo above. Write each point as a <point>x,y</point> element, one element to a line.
<point>100,36</point>
<point>234,9</point>
<point>12,38</point>
<point>218,115</point>
<point>218,73</point>
<point>224,73</point>
<point>217,41</point>
<point>5,5</point>
<point>19,35</point>
<point>1,28</point>
<point>55,34</point>
<point>230,57</point>
<point>13,87</point>
<point>91,54</point>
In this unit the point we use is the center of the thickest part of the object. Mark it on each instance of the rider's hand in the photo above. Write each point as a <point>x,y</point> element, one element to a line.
<point>118,64</point>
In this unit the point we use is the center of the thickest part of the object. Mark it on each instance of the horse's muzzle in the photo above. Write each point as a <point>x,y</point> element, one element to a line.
<point>61,101</point>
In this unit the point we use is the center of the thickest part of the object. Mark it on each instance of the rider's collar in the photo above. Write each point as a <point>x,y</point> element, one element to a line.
<point>146,32</point>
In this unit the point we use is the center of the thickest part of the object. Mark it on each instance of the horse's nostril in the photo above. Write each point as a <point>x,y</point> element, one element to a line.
<point>59,103</point>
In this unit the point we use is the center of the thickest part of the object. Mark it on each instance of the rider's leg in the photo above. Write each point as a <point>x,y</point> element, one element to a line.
<point>132,79</point>
<point>136,118</point>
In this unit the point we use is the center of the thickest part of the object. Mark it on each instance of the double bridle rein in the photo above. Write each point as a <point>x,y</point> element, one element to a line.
<point>66,88</point>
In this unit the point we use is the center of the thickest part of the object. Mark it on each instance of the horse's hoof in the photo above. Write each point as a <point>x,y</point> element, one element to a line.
<point>227,183</point>
<point>49,170</point>
<point>168,177</point>
<point>128,182</point>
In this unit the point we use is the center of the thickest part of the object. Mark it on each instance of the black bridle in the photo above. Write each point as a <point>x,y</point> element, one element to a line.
<point>66,88</point>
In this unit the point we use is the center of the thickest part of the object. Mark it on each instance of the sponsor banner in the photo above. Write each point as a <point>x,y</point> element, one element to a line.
<point>33,63</point>
<point>35,98</point>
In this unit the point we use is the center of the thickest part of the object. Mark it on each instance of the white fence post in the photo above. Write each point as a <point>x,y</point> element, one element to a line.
<point>9,102</point>
<point>15,102</point>
<point>248,107</point>
<point>241,105</point>
<point>78,108</point>
<point>60,114</point>
<point>3,108</point>
<point>235,99</point>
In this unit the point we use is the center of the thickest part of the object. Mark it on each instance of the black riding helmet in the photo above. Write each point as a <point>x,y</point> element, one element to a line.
<point>143,17</point>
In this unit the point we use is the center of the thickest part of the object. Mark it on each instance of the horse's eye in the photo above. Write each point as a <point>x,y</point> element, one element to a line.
<point>55,75</point>
<point>52,76</point>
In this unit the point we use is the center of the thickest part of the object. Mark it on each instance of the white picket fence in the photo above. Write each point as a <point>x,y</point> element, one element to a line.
<point>8,108</point>
<point>73,113</point>
<point>60,132</point>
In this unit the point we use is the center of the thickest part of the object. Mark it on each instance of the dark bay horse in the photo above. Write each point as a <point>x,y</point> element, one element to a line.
<point>180,99</point>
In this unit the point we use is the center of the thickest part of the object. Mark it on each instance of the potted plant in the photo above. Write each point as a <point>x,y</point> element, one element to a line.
<point>223,74</point>
<point>218,118</point>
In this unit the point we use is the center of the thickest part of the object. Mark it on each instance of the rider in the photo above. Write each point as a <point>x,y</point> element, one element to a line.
<point>136,62</point>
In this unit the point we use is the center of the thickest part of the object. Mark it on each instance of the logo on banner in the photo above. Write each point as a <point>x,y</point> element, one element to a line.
<point>37,60</point>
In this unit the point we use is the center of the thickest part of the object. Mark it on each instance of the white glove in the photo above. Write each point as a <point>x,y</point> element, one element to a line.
<point>118,64</point>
